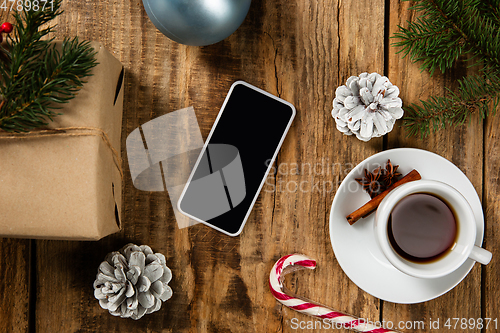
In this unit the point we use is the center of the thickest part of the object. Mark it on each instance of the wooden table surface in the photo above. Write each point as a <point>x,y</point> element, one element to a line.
<point>298,50</point>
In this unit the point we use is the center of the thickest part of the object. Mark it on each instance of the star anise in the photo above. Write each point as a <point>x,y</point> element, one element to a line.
<point>390,175</point>
<point>372,183</point>
<point>379,180</point>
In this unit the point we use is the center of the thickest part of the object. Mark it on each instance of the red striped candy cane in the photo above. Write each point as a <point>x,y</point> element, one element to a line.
<point>298,261</point>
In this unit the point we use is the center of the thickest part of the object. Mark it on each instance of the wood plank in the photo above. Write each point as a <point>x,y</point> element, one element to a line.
<point>335,40</point>
<point>463,146</point>
<point>490,273</point>
<point>14,285</point>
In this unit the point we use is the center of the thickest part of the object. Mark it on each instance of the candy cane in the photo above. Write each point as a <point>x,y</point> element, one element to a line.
<point>297,261</point>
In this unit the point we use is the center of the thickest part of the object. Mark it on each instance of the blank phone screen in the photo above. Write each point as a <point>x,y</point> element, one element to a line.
<point>236,158</point>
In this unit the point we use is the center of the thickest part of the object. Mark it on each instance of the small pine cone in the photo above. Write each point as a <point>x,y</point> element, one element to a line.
<point>367,106</point>
<point>133,282</point>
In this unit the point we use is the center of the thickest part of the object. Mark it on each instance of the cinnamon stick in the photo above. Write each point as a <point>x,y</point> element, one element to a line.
<point>372,205</point>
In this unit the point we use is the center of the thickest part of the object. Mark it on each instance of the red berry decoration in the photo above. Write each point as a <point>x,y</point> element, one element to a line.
<point>6,27</point>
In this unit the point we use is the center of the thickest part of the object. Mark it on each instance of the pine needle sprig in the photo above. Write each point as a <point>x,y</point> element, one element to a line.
<point>492,10</point>
<point>35,74</point>
<point>445,32</point>
<point>475,94</point>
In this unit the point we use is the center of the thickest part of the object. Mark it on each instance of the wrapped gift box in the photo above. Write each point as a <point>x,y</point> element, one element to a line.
<point>68,186</point>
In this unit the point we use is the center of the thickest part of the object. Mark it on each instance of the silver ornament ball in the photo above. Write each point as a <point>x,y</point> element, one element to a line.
<point>197,22</point>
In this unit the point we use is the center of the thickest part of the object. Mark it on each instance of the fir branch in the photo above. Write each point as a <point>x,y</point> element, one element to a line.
<point>492,10</point>
<point>475,94</point>
<point>36,76</point>
<point>434,37</point>
<point>445,31</point>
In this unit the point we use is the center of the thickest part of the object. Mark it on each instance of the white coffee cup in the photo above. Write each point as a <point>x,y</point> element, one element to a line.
<point>461,250</point>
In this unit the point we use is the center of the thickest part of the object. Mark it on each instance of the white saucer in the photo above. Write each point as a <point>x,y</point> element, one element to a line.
<point>355,246</point>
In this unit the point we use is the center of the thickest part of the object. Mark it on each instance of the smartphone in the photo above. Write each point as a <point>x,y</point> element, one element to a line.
<point>236,158</point>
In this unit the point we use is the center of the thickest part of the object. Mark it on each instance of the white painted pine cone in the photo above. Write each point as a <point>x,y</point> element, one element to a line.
<point>367,106</point>
<point>133,282</point>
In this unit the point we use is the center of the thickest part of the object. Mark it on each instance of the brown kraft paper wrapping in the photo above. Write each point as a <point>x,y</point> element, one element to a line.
<point>68,187</point>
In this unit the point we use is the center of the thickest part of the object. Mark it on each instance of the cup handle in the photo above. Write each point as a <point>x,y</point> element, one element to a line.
<point>480,255</point>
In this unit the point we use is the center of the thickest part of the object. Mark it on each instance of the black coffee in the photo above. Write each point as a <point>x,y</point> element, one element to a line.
<point>422,227</point>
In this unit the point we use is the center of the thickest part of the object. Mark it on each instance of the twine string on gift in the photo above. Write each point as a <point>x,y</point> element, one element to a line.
<point>69,131</point>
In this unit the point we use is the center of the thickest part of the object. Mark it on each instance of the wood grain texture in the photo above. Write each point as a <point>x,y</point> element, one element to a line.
<point>14,285</point>
<point>325,53</point>
<point>491,272</point>
<point>463,146</point>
